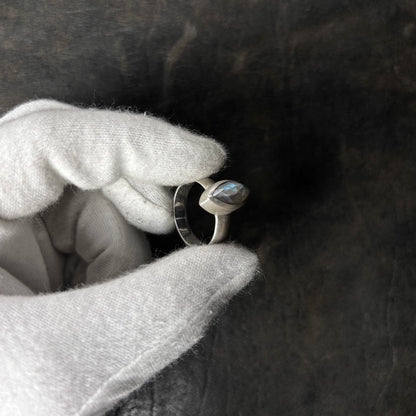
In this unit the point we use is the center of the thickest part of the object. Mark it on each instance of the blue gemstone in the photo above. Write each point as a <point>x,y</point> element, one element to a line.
<point>231,192</point>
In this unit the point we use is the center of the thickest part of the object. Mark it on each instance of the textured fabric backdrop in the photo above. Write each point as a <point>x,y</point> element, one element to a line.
<point>316,101</point>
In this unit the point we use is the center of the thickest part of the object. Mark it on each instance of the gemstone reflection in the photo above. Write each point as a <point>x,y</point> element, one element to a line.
<point>231,192</point>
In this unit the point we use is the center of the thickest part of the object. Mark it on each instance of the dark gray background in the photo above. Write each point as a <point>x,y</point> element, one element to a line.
<point>316,101</point>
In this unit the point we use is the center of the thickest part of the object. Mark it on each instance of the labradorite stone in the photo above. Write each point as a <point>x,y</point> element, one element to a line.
<point>231,192</point>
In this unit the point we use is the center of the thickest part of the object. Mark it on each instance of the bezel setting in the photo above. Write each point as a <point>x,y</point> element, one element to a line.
<point>215,206</point>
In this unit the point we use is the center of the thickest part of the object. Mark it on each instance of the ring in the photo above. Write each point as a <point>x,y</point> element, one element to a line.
<point>218,198</point>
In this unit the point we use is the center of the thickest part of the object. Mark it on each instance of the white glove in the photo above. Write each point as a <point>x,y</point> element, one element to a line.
<point>78,352</point>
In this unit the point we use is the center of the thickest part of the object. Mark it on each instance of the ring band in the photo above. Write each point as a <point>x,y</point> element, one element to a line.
<point>218,198</point>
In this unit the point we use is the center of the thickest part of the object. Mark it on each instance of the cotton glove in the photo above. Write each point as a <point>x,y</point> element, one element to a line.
<point>77,352</point>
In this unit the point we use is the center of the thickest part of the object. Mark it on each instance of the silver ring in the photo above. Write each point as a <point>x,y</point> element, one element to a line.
<point>218,198</point>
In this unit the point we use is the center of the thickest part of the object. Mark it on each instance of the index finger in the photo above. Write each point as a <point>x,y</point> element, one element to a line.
<point>43,150</point>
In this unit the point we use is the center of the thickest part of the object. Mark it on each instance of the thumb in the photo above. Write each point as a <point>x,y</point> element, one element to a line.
<point>103,341</point>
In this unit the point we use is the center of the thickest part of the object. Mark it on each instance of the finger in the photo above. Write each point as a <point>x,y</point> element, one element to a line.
<point>44,150</point>
<point>121,332</point>
<point>146,206</point>
<point>26,253</point>
<point>33,106</point>
<point>9,285</point>
<point>100,244</point>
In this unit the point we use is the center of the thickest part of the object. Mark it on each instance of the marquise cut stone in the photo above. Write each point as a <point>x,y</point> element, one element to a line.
<point>231,192</point>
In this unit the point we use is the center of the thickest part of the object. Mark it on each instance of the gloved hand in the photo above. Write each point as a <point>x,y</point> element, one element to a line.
<point>77,352</point>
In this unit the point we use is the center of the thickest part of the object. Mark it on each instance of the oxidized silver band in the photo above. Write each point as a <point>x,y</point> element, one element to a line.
<point>219,198</point>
